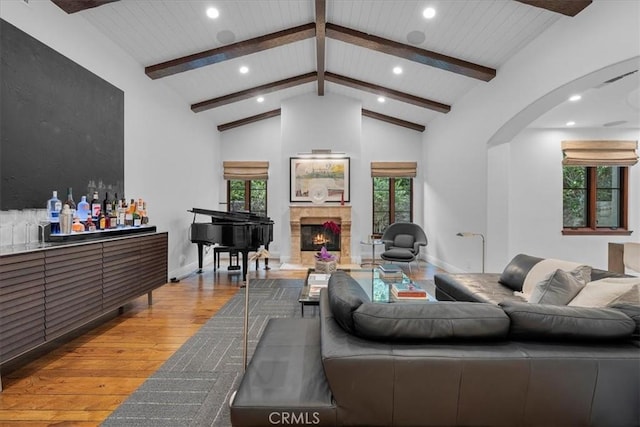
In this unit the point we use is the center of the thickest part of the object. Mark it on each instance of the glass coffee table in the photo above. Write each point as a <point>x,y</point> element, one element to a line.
<point>377,290</point>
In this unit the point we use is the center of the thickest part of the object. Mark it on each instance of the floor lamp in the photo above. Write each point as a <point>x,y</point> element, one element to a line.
<point>261,253</point>
<point>470,234</point>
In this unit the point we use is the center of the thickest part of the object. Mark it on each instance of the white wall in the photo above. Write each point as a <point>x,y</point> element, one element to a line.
<point>457,174</point>
<point>333,122</point>
<point>168,149</point>
<point>535,197</point>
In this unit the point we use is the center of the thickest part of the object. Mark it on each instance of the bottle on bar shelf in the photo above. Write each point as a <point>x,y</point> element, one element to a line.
<point>96,207</point>
<point>69,201</point>
<point>84,209</point>
<point>89,225</point>
<point>54,206</point>
<point>77,226</point>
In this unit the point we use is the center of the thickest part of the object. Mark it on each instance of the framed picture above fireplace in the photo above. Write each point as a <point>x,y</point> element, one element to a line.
<point>319,180</point>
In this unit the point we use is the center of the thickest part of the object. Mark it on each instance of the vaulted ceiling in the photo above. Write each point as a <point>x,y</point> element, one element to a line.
<point>343,47</point>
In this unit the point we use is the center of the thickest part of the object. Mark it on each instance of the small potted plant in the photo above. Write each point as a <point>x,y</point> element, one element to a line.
<point>326,262</point>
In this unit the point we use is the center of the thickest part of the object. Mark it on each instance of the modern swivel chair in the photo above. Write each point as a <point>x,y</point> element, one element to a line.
<point>402,241</point>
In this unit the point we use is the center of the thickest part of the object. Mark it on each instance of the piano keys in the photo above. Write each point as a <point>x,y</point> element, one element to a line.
<point>241,232</point>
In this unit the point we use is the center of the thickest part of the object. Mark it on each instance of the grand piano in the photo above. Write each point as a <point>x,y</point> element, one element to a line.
<point>239,232</point>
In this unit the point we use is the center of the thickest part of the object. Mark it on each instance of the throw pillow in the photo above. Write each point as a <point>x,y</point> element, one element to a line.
<point>560,287</point>
<point>543,321</point>
<point>603,292</point>
<point>544,267</point>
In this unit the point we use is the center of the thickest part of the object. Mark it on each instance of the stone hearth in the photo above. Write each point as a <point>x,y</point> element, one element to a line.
<point>318,214</point>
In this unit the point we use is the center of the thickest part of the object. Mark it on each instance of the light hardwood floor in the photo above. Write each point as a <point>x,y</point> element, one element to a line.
<point>82,381</point>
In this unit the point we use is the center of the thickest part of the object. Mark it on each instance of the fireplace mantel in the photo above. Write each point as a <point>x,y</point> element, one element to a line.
<point>317,214</point>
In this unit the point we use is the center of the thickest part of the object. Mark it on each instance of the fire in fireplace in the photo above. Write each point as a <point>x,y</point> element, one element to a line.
<point>314,237</point>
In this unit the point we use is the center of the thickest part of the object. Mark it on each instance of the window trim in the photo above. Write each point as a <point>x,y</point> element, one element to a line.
<point>591,228</point>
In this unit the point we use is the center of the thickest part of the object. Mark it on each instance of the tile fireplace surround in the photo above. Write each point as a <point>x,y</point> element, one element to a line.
<point>318,214</point>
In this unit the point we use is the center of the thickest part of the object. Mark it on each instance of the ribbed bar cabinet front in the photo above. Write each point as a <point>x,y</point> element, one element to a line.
<point>49,291</point>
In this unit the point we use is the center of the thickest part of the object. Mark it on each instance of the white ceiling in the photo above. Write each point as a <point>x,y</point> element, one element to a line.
<point>485,32</point>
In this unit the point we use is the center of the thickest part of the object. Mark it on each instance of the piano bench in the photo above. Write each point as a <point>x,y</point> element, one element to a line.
<point>234,262</point>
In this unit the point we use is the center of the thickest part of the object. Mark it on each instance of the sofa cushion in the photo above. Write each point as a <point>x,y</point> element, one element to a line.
<point>399,254</point>
<point>603,292</point>
<point>514,273</point>
<point>430,321</point>
<point>345,296</point>
<point>560,287</point>
<point>631,310</point>
<point>543,321</point>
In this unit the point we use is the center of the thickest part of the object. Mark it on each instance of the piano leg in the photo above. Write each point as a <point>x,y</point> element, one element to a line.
<point>266,260</point>
<point>200,250</point>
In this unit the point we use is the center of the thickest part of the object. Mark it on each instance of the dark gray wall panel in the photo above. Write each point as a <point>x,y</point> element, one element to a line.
<point>60,125</point>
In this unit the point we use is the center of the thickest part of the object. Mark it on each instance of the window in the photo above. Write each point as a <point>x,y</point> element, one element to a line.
<point>392,202</point>
<point>247,196</point>
<point>595,200</point>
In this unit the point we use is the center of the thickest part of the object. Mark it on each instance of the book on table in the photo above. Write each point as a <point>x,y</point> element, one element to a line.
<point>408,290</point>
<point>317,282</point>
<point>318,279</point>
<point>390,268</point>
<point>390,272</point>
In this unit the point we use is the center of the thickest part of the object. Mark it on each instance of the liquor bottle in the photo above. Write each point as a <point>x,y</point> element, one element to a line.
<point>89,225</point>
<point>54,206</point>
<point>106,204</point>
<point>102,221</point>
<point>144,219</point>
<point>69,201</point>
<point>84,209</point>
<point>77,226</point>
<point>114,204</point>
<point>128,216</point>
<point>112,219</point>
<point>96,207</point>
<point>121,213</point>
<point>137,221</point>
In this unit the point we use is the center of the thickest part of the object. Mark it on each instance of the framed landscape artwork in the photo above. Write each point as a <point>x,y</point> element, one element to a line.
<point>319,180</point>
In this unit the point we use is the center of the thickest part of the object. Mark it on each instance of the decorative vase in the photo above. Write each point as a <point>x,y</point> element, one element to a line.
<point>326,267</point>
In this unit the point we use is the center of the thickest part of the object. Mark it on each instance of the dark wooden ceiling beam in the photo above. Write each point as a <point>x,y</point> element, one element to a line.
<point>73,6</point>
<point>565,7</point>
<point>321,20</point>
<point>412,53</point>
<point>389,93</point>
<point>248,120</point>
<point>253,92</point>
<point>393,120</point>
<point>235,50</point>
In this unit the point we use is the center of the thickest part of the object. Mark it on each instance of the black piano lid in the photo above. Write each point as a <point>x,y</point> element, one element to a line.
<point>230,216</point>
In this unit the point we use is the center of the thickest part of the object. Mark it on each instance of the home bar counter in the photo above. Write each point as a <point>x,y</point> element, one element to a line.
<point>54,288</point>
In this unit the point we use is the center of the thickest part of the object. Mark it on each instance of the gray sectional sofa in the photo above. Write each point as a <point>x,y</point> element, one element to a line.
<point>443,364</point>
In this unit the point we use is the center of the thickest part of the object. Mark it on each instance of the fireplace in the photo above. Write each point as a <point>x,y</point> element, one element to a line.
<point>314,236</point>
<point>308,216</point>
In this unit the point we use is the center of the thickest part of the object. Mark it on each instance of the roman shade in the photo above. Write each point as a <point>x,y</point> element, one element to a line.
<point>394,169</point>
<point>246,170</point>
<point>599,153</point>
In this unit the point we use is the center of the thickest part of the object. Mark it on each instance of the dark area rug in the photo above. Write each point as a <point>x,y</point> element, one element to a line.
<point>193,387</point>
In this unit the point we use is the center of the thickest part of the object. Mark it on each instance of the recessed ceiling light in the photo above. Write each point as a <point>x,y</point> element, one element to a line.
<point>381,99</point>
<point>574,98</point>
<point>244,69</point>
<point>213,13</point>
<point>429,13</point>
<point>260,99</point>
<point>397,70</point>
<point>571,123</point>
